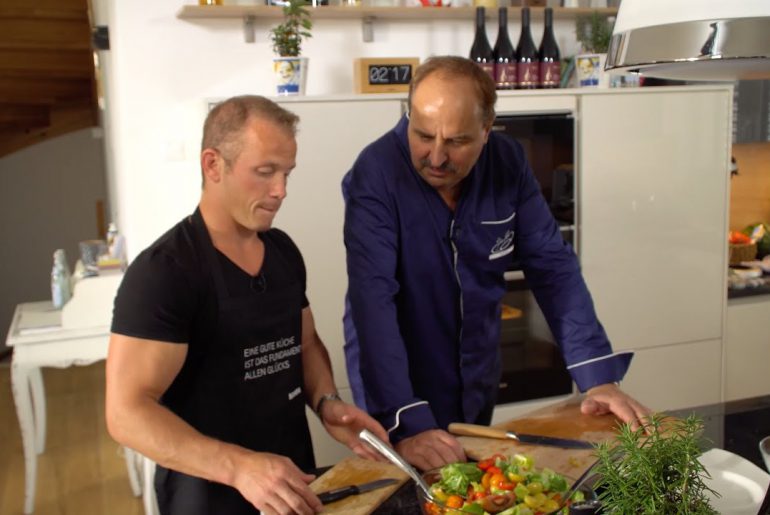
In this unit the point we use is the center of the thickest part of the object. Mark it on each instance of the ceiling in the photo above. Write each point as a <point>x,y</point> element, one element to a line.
<point>47,85</point>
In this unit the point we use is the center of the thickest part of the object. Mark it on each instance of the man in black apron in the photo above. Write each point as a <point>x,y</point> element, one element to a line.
<point>213,354</point>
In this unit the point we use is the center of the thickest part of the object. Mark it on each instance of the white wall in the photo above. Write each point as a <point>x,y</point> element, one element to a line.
<point>163,68</point>
<point>48,195</point>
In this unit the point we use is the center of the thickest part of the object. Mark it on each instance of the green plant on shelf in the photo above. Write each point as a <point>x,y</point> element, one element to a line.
<point>287,37</point>
<point>594,32</point>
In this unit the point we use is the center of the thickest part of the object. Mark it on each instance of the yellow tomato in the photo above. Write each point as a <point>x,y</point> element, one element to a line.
<point>531,501</point>
<point>550,505</point>
<point>535,487</point>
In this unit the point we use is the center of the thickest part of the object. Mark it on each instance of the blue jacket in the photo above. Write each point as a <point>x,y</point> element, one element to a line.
<point>422,318</point>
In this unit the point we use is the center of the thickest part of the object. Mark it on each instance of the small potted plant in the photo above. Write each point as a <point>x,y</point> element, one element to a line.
<point>291,69</point>
<point>594,32</point>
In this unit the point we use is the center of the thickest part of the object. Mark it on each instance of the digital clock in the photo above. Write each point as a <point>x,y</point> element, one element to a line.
<point>383,74</point>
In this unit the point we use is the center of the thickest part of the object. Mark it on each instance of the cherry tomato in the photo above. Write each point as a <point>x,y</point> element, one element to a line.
<point>454,501</point>
<point>485,464</point>
<point>500,482</point>
<point>494,470</point>
<point>485,480</point>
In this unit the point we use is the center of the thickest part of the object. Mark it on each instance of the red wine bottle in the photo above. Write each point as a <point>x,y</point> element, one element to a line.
<point>481,52</point>
<point>527,62</point>
<point>550,57</point>
<point>505,55</point>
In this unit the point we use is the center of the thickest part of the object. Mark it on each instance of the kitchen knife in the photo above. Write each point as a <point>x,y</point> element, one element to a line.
<point>491,432</point>
<point>346,491</point>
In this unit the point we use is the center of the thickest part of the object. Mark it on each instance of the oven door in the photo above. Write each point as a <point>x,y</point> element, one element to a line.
<point>532,364</point>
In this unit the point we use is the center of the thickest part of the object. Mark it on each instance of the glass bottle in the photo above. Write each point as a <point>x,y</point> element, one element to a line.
<point>481,52</point>
<point>505,55</point>
<point>61,280</point>
<point>550,57</point>
<point>527,61</point>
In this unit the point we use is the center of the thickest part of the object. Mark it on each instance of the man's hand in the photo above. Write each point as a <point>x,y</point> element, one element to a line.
<point>431,449</point>
<point>274,485</point>
<point>609,398</point>
<point>344,422</point>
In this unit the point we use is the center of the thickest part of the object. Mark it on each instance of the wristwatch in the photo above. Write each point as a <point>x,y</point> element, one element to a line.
<point>326,397</point>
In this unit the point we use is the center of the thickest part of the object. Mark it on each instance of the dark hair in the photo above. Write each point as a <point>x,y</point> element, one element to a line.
<point>224,124</point>
<point>454,67</point>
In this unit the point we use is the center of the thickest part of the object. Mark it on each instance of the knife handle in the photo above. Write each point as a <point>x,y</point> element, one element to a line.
<point>457,428</point>
<point>337,494</point>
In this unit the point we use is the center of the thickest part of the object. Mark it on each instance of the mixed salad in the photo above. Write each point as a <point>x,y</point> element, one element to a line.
<point>498,485</point>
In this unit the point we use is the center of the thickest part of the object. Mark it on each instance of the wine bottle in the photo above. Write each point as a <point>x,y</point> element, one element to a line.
<point>505,55</point>
<point>527,63</point>
<point>550,63</point>
<point>481,52</point>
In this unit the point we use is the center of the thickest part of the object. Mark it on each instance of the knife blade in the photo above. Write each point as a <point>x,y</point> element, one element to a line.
<point>346,491</point>
<point>491,432</point>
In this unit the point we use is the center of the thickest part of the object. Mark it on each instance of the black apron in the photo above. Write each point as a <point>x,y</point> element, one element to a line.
<point>247,387</point>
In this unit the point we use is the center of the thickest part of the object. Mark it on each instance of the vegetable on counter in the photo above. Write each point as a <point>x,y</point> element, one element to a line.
<point>498,485</point>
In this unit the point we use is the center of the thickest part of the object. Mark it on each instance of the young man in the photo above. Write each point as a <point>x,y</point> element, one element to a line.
<point>435,210</point>
<point>214,352</point>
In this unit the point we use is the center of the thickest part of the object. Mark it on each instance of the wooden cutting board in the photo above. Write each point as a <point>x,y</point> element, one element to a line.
<point>354,471</point>
<point>562,420</point>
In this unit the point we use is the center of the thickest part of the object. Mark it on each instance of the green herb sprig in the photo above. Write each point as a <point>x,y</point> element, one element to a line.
<point>594,32</point>
<point>287,37</point>
<point>654,469</point>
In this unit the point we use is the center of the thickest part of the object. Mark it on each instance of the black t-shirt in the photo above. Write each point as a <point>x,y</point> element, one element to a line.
<point>168,295</point>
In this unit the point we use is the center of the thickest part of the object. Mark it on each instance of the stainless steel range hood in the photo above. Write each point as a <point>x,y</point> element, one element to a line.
<point>692,39</point>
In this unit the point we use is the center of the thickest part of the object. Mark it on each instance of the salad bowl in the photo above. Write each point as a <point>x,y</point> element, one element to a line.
<point>501,486</point>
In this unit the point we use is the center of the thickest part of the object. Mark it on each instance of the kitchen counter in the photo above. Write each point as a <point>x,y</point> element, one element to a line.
<point>735,426</point>
<point>733,293</point>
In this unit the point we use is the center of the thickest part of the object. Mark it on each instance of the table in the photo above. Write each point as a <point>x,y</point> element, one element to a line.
<point>736,426</point>
<point>39,340</point>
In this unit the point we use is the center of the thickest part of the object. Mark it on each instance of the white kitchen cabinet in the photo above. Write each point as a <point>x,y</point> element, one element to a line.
<point>653,182</point>
<point>331,135</point>
<point>670,377</point>
<point>747,348</point>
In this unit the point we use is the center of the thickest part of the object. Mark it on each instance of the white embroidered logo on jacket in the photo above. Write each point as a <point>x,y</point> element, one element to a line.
<point>504,244</point>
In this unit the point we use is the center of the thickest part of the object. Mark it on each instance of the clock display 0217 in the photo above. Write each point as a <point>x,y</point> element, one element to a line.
<point>390,73</point>
<point>383,74</point>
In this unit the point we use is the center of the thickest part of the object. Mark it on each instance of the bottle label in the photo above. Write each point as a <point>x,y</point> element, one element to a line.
<point>489,68</point>
<point>505,75</point>
<point>527,74</point>
<point>550,74</point>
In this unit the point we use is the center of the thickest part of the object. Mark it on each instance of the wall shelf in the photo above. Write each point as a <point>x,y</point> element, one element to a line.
<point>367,15</point>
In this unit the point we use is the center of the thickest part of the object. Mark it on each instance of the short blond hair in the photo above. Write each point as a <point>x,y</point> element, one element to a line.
<point>223,128</point>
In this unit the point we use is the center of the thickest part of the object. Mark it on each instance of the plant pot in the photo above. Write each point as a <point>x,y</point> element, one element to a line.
<point>290,75</point>
<point>590,70</point>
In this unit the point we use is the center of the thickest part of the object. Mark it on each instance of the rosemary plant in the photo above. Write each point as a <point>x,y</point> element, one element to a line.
<point>654,470</point>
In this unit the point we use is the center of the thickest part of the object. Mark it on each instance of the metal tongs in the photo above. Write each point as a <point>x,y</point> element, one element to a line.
<point>396,459</point>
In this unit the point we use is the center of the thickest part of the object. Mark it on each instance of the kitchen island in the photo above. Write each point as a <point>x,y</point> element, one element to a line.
<point>735,426</point>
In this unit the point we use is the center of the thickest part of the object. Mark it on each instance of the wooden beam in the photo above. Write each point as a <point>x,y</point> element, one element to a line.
<point>62,122</point>
<point>21,89</point>
<point>24,117</point>
<point>26,34</point>
<point>46,64</point>
<point>48,13</point>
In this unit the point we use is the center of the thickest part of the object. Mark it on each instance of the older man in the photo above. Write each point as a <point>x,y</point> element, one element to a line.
<point>435,210</point>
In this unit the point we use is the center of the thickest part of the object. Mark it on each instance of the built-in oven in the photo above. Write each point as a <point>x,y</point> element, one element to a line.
<point>532,364</point>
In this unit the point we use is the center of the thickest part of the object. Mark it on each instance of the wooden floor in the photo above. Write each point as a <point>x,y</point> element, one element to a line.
<point>82,471</point>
